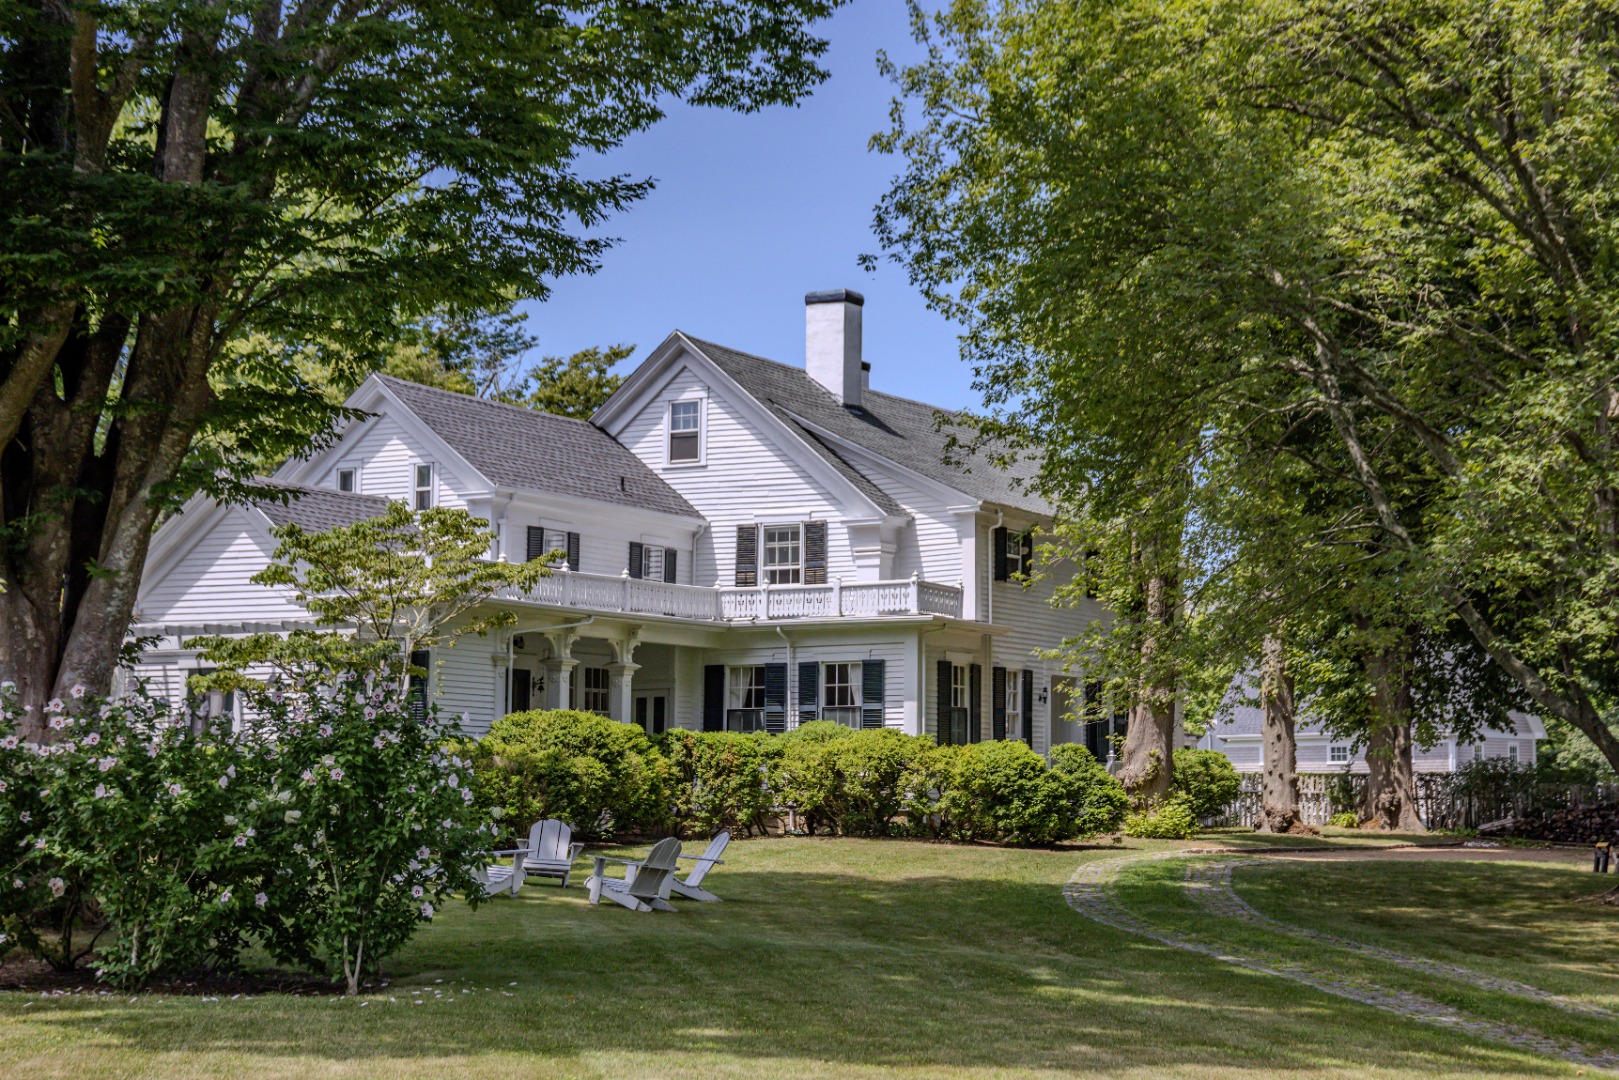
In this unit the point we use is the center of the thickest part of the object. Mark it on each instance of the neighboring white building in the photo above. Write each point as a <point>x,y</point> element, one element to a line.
<point>749,545</point>
<point>1239,736</point>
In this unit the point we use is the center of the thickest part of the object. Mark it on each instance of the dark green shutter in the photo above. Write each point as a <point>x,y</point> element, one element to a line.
<point>669,565</point>
<point>809,680</point>
<point>997,703</point>
<point>776,698</point>
<point>815,553</point>
<point>714,697</point>
<point>1028,706</point>
<point>636,558</point>
<point>747,556</point>
<point>975,706</point>
<point>943,679</point>
<point>999,542</point>
<point>536,542</point>
<point>873,692</point>
<point>573,551</point>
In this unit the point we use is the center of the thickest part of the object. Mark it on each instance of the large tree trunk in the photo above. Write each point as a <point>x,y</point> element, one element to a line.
<point>1147,763</point>
<point>1390,798</point>
<point>1279,784</point>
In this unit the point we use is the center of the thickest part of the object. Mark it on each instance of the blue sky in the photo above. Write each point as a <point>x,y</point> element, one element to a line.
<point>750,213</point>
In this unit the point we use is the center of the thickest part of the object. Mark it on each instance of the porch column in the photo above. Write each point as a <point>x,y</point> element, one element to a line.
<point>620,691</point>
<point>558,682</point>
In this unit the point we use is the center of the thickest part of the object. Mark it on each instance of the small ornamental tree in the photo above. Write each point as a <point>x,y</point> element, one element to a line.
<point>374,823</point>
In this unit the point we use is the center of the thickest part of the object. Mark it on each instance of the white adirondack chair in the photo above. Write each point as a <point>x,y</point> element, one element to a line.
<point>645,884</point>
<point>497,879</point>
<point>550,851</point>
<point>705,862</point>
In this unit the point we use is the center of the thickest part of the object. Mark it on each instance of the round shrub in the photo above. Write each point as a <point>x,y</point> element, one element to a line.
<point>1346,820</point>
<point>1003,790</point>
<point>1101,800</point>
<point>1171,819</point>
<point>598,775</point>
<point>1207,780</point>
<point>721,779</point>
<point>866,771</point>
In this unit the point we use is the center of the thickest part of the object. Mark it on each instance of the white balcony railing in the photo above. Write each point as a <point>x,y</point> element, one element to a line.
<point>639,596</point>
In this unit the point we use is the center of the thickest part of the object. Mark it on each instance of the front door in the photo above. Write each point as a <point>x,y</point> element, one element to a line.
<point>522,682</point>
<point>652,712</point>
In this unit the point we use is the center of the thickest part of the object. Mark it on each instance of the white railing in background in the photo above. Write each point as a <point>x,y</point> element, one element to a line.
<point>639,596</point>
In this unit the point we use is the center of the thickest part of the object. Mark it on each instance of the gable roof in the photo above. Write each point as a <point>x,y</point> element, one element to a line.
<point>536,451</point>
<point>905,432</point>
<point>319,509</point>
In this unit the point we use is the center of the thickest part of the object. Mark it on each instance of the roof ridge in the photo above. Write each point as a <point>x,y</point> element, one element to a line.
<point>459,397</point>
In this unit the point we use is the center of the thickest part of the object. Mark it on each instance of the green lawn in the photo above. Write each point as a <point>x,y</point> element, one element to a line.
<point>830,958</point>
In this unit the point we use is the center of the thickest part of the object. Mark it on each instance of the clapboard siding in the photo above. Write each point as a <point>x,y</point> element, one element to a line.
<point>464,682</point>
<point>745,478</point>
<point>210,582</point>
<point>387,455</point>
<point>931,547</point>
<point>1314,754</point>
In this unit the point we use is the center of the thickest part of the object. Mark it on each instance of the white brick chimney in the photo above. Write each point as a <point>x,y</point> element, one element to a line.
<point>832,343</point>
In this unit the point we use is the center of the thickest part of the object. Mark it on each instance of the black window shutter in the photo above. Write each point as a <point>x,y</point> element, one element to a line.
<point>975,707</point>
<point>1026,542</point>
<point>1001,570</point>
<point>714,697</point>
<point>809,679</point>
<point>997,703</point>
<point>873,692</point>
<point>815,553</point>
<point>573,551</point>
<point>747,556</point>
<point>1028,706</point>
<point>776,698</point>
<point>536,542</point>
<point>635,558</point>
<point>669,565</point>
<point>943,733</point>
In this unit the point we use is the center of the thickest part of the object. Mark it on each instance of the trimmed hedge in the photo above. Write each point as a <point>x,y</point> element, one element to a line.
<point>1208,781</point>
<point>607,777</point>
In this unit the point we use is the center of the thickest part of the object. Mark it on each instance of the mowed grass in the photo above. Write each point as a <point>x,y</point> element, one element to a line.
<point>829,958</point>
<point>1513,920</point>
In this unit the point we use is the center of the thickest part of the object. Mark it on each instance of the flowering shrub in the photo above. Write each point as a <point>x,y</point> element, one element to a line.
<point>369,817</point>
<point>328,829</point>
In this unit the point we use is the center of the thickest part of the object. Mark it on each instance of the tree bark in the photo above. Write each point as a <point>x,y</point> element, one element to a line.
<point>1147,762</point>
<point>1390,798</point>
<point>1279,784</point>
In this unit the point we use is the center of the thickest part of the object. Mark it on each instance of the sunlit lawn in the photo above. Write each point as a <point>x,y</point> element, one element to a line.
<point>829,958</point>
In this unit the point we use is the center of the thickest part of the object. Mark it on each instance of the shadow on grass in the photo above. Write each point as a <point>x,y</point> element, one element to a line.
<point>911,969</point>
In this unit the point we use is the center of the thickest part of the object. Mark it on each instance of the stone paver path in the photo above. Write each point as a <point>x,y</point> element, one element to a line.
<point>1090,892</point>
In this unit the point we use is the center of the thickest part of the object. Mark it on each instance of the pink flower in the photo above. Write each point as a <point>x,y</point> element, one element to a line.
<point>309,776</point>
<point>260,899</point>
<point>92,739</point>
<point>325,731</point>
<point>370,713</point>
<point>101,791</point>
<point>174,789</point>
<point>422,853</point>
<point>39,845</point>
<point>25,817</point>
<point>57,723</point>
<point>416,891</point>
<point>78,691</point>
<point>58,886</point>
<point>105,764</point>
<point>241,841</point>
<point>454,780</point>
<point>224,897</point>
<point>427,911</point>
<point>337,774</point>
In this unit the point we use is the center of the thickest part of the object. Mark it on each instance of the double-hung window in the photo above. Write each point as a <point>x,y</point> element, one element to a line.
<point>595,696</point>
<point>686,431</point>
<point>424,488</point>
<point>1338,754</point>
<point>745,703</point>
<point>783,554</point>
<point>1014,698</point>
<point>960,705</point>
<point>1512,753</point>
<point>840,697</point>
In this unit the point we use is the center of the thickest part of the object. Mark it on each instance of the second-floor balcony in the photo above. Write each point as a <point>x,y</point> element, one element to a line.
<point>836,600</point>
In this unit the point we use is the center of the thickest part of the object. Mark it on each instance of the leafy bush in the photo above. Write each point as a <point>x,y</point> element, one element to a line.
<point>1102,800</point>
<point>598,775</point>
<point>1004,791</point>
<point>1208,781</point>
<point>1346,820</point>
<point>371,822</point>
<point>1170,819</point>
<point>866,772</point>
<point>721,779</point>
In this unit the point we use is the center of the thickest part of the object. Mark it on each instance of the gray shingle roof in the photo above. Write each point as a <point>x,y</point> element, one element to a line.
<point>903,431</point>
<point>319,509</point>
<point>536,451</point>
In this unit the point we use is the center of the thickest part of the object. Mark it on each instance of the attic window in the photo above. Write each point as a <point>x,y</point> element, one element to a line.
<point>685,431</point>
<point>348,480</point>
<point>424,487</point>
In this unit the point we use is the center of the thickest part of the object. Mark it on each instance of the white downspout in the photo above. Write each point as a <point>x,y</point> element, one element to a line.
<point>1000,522</point>
<point>792,674</point>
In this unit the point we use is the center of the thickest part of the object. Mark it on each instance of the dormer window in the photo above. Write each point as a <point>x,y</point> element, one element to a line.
<point>348,480</point>
<point>685,432</point>
<point>425,488</point>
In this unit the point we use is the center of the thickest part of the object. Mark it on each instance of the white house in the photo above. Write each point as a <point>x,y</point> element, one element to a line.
<point>748,545</point>
<point>1239,735</point>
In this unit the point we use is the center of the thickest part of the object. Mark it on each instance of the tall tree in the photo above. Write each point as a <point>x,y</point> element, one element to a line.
<point>575,385</point>
<point>1396,218</point>
<point>175,177</point>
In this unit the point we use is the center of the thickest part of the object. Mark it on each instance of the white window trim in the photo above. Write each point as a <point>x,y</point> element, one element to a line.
<point>587,692</point>
<point>855,684</point>
<point>337,478</point>
<point>765,568</point>
<point>1332,754</point>
<point>702,433</point>
<point>415,486</point>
